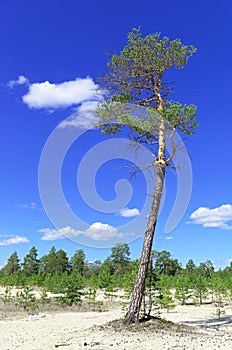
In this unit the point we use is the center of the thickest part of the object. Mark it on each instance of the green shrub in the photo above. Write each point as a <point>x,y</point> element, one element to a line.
<point>7,298</point>
<point>26,299</point>
<point>44,300</point>
<point>70,286</point>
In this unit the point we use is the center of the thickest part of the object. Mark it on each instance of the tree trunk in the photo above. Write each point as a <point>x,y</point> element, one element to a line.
<point>132,315</point>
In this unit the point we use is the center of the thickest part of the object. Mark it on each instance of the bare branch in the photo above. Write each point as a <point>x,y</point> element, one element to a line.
<point>173,146</point>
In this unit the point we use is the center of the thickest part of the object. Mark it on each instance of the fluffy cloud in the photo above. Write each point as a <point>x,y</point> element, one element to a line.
<point>64,232</point>
<point>20,81</point>
<point>100,231</point>
<point>13,239</point>
<point>63,95</point>
<point>216,217</point>
<point>84,117</point>
<point>96,231</point>
<point>128,213</point>
<point>82,94</point>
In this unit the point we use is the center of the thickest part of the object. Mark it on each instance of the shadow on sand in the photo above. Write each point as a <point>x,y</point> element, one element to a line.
<point>215,321</point>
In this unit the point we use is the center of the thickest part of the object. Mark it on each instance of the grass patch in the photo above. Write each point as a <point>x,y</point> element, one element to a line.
<point>155,324</point>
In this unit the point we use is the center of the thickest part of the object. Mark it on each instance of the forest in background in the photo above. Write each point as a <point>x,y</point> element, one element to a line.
<point>76,276</point>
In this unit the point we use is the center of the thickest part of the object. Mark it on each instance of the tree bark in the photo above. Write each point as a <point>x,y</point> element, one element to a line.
<point>132,315</point>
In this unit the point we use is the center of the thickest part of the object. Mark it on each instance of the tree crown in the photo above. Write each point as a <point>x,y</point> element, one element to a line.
<point>136,78</point>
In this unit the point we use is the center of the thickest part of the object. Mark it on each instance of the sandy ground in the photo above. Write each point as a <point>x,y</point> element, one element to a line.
<point>87,330</point>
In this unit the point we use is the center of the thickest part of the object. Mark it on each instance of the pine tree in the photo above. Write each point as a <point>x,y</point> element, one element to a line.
<point>13,264</point>
<point>31,262</point>
<point>136,79</point>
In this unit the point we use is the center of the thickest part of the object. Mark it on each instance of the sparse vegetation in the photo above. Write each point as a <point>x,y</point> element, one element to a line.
<point>26,299</point>
<point>78,282</point>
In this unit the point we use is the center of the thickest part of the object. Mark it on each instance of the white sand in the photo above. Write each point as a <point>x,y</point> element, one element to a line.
<point>74,331</point>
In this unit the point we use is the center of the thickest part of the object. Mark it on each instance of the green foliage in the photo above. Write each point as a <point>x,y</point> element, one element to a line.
<point>7,298</point>
<point>77,262</point>
<point>70,286</point>
<point>91,272</point>
<point>90,296</point>
<point>44,299</point>
<point>17,279</point>
<point>120,256</point>
<point>218,287</point>
<point>181,116</point>
<point>56,262</point>
<point>200,289</point>
<point>183,289</point>
<point>31,262</point>
<point>165,265</point>
<point>190,267</point>
<point>220,293</point>
<point>136,77</point>
<point>191,284</point>
<point>61,261</point>
<point>219,305</point>
<point>13,265</point>
<point>129,277</point>
<point>105,274</point>
<point>120,253</point>
<point>165,299</point>
<point>52,283</point>
<point>206,269</point>
<point>149,55</point>
<point>48,262</point>
<point>110,293</point>
<point>26,299</point>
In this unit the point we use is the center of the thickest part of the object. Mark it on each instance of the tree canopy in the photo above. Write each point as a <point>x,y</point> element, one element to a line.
<point>136,77</point>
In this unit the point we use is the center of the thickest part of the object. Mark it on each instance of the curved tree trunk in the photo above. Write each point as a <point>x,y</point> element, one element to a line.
<point>132,315</point>
<point>139,287</point>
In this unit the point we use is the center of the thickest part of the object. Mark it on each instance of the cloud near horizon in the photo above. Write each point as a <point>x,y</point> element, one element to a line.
<point>96,231</point>
<point>12,239</point>
<point>216,217</point>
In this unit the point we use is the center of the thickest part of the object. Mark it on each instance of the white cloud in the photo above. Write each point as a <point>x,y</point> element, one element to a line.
<point>31,205</point>
<point>84,117</point>
<point>216,217</point>
<point>168,238</point>
<point>100,231</point>
<point>22,80</point>
<point>128,213</point>
<point>14,239</point>
<point>82,94</point>
<point>62,233</point>
<point>96,231</point>
<point>63,95</point>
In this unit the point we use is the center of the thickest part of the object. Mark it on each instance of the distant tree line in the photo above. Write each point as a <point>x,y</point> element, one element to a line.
<point>117,270</point>
<point>77,279</point>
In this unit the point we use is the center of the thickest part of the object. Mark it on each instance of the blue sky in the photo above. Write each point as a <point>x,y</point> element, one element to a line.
<point>52,53</point>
